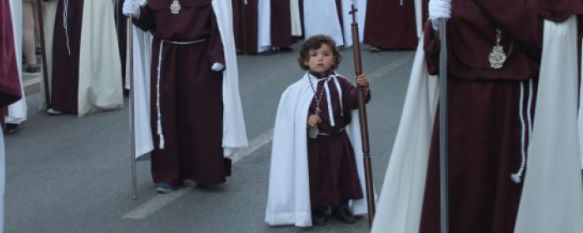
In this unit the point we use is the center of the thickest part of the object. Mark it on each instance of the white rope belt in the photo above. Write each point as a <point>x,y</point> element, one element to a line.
<point>330,134</point>
<point>525,129</point>
<point>159,130</point>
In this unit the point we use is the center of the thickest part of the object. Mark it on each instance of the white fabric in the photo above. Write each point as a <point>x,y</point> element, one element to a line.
<point>360,5</point>
<point>131,8</point>
<point>419,17</point>
<point>401,198</point>
<point>288,199</point>
<point>439,9</point>
<point>263,25</point>
<point>2,180</point>
<point>296,21</point>
<point>49,13</point>
<point>100,86</point>
<point>321,17</point>
<point>552,193</point>
<point>552,196</point>
<point>17,111</point>
<point>234,132</point>
<point>142,58</point>
<point>217,66</point>
<point>581,107</point>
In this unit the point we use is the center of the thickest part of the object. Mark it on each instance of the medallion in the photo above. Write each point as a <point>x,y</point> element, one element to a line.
<point>175,7</point>
<point>497,56</point>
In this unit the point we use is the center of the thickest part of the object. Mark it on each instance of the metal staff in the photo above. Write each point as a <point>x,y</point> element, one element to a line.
<point>443,156</point>
<point>43,53</point>
<point>130,67</point>
<point>363,119</point>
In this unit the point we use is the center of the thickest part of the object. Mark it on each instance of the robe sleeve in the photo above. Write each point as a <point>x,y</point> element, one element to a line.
<point>560,10</point>
<point>351,94</point>
<point>9,81</point>
<point>215,51</point>
<point>431,46</point>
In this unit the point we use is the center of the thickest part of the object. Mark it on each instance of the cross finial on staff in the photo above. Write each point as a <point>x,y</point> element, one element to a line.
<point>353,11</point>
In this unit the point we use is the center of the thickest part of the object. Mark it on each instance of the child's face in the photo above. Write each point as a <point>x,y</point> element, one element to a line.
<point>321,60</point>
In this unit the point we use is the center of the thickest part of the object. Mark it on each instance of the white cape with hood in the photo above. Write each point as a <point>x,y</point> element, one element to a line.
<point>552,196</point>
<point>234,133</point>
<point>288,199</point>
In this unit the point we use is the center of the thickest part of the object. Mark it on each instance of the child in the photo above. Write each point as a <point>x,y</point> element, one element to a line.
<point>314,169</point>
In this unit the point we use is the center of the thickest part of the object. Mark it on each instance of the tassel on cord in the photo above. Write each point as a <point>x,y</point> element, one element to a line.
<point>65,24</point>
<point>158,114</point>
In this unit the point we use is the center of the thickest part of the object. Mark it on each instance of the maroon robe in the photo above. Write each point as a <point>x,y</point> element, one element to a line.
<point>245,25</point>
<point>10,90</point>
<point>190,93</point>
<point>281,24</point>
<point>66,50</point>
<point>485,129</point>
<point>331,163</point>
<point>390,25</point>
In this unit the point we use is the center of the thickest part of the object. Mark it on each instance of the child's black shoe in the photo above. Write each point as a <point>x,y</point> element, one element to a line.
<point>319,217</point>
<point>343,214</point>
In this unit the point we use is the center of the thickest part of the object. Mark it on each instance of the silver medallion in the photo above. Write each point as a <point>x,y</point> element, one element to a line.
<point>313,132</point>
<point>175,7</point>
<point>497,57</point>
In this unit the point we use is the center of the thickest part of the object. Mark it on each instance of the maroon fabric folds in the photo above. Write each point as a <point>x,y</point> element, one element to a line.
<point>390,25</point>
<point>245,25</point>
<point>66,50</point>
<point>10,90</point>
<point>281,23</point>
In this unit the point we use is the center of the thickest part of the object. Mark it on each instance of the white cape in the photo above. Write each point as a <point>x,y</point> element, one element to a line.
<point>296,21</point>
<point>234,133</point>
<point>263,25</point>
<point>552,197</point>
<point>419,17</point>
<point>360,5</point>
<point>17,111</point>
<point>288,199</point>
<point>100,86</point>
<point>2,180</point>
<point>321,17</point>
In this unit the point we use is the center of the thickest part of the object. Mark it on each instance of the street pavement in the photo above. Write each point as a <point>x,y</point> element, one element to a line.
<point>69,174</point>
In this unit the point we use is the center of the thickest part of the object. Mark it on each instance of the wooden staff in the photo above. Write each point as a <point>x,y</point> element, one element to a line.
<point>130,68</point>
<point>39,10</point>
<point>363,119</point>
<point>443,156</point>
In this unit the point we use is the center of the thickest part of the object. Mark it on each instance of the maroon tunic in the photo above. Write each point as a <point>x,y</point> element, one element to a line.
<point>190,93</point>
<point>390,25</point>
<point>484,111</point>
<point>245,25</point>
<point>281,24</point>
<point>66,50</point>
<point>9,80</point>
<point>332,168</point>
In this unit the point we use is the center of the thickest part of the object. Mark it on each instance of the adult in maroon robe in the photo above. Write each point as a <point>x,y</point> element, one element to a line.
<point>9,80</point>
<point>390,24</point>
<point>245,25</point>
<point>489,111</point>
<point>281,36</point>
<point>185,45</point>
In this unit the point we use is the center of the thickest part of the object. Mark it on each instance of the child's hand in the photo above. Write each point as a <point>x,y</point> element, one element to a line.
<point>314,120</point>
<point>362,80</point>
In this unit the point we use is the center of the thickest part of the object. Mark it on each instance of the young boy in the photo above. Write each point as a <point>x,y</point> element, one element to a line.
<point>314,169</point>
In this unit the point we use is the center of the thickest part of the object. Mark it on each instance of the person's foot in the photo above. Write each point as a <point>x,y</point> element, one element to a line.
<point>31,68</point>
<point>11,128</point>
<point>319,217</point>
<point>343,214</point>
<point>164,188</point>
<point>374,49</point>
<point>53,112</point>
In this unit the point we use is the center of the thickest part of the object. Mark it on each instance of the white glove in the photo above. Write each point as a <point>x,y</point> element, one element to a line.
<point>131,8</point>
<point>439,9</point>
<point>217,67</point>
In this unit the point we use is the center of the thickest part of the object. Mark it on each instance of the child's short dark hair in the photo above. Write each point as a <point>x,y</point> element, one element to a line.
<point>315,42</point>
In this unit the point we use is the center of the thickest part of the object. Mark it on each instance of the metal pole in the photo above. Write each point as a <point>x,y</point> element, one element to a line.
<point>363,120</point>
<point>39,5</point>
<point>130,67</point>
<point>443,151</point>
